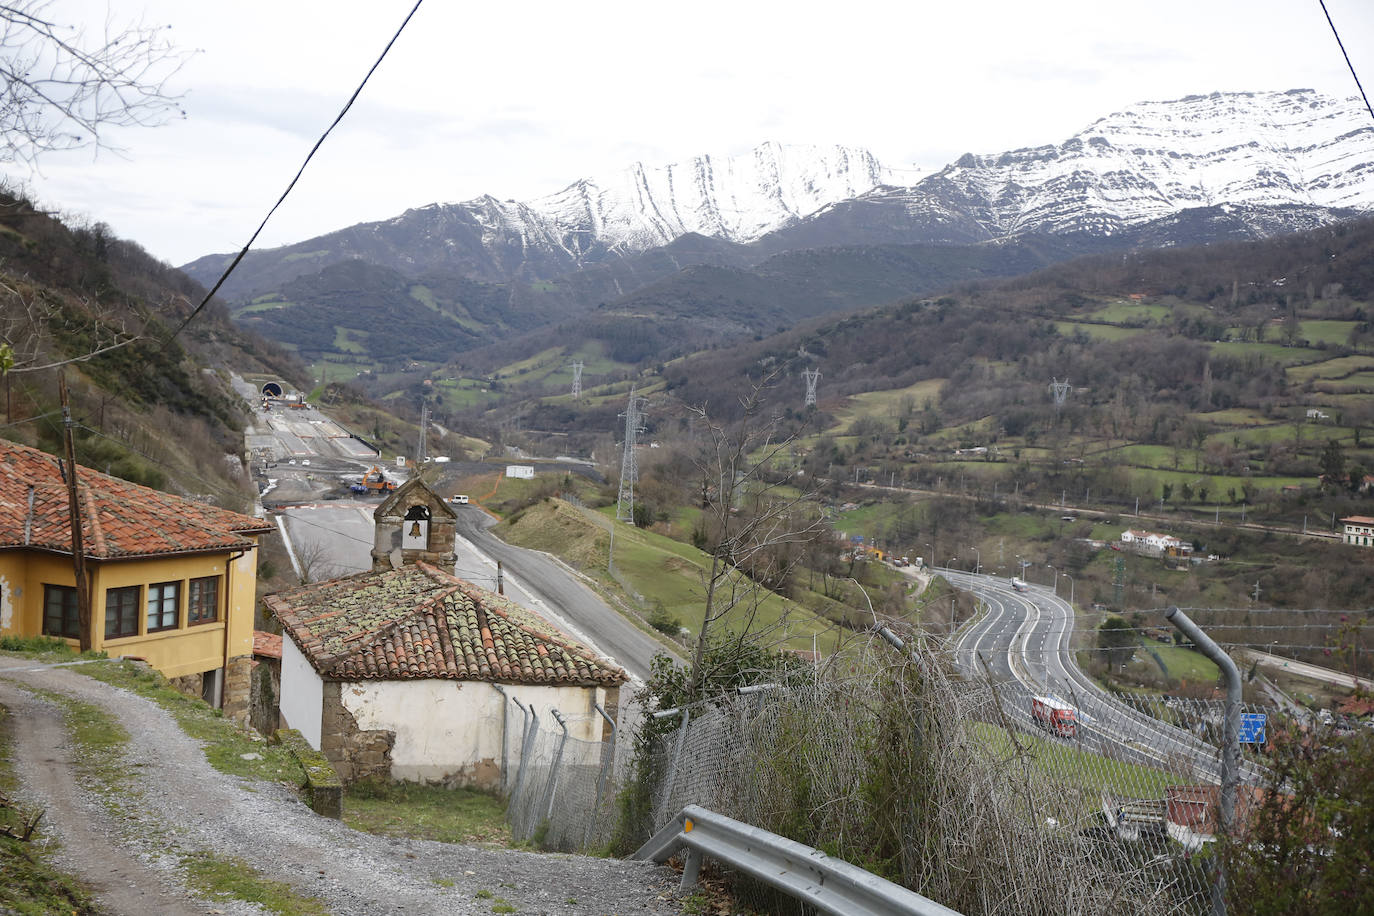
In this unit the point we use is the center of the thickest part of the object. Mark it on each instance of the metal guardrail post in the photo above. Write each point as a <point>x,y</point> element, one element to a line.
<point>1230,743</point>
<point>505,717</point>
<point>600,777</point>
<point>524,729</point>
<point>526,751</point>
<point>677,754</point>
<point>547,805</point>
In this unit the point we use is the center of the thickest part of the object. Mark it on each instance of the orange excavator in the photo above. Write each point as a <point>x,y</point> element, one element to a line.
<point>375,481</point>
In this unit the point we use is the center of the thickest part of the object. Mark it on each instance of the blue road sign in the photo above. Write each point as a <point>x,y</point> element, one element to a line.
<point>1252,727</point>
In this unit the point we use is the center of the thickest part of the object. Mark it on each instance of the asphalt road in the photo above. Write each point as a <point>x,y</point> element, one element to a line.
<point>303,456</point>
<point>563,596</point>
<point>1024,643</point>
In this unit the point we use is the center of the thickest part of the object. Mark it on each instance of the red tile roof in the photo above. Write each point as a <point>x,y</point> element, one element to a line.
<point>118,519</point>
<point>420,622</point>
<point>267,645</point>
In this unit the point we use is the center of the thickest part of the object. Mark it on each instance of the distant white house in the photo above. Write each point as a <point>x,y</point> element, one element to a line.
<point>522,471</point>
<point>1150,542</point>
<point>1359,531</point>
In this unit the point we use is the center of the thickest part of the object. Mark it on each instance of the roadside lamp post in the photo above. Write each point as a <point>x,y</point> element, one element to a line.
<point>1071,585</point>
<point>978,562</point>
<point>951,562</point>
<point>1056,579</point>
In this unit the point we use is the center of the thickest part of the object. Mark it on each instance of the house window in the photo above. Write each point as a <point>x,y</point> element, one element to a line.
<point>202,601</point>
<point>164,600</point>
<point>60,616</point>
<point>121,612</point>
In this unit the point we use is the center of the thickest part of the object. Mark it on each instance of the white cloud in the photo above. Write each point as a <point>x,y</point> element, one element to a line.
<point>517,100</point>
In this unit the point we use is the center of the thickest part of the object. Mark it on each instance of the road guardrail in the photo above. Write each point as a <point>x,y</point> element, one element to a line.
<point>809,875</point>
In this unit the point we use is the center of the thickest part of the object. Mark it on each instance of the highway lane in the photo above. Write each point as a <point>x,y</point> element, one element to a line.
<point>1033,630</point>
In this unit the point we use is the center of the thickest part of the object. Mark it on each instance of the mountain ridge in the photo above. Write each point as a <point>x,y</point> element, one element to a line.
<point>1143,163</point>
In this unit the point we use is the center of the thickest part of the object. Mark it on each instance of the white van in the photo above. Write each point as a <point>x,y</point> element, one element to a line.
<point>460,499</point>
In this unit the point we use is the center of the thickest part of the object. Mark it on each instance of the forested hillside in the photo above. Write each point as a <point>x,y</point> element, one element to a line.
<point>150,409</point>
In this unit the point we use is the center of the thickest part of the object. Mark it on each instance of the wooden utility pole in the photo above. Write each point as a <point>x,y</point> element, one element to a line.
<point>83,598</point>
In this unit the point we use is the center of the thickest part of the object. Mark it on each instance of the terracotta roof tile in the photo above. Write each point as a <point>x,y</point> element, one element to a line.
<point>119,519</point>
<point>267,644</point>
<point>420,622</point>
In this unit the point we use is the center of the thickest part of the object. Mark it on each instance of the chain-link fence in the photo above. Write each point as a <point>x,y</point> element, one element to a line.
<point>986,796</point>
<point>559,788</point>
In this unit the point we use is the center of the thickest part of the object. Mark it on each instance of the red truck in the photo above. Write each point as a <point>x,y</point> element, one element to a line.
<point>1058,717</point>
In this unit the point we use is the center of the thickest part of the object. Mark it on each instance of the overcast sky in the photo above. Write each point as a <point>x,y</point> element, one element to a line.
<point>519,99</point>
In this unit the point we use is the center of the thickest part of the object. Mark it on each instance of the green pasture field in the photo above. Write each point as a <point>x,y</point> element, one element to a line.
<point>1235,416</point>
<point>423,295</point>
<point>1217,485</point>
<point>1337,368</point>
<point>262,304</point>
<point>1122,312</point>
<point>1327,331</point>
<point>1284,356</point>
<point>1096,331</point>
<point>349,340</point>
<point>619,391</point>
<point>462,393</point>
<point>1356,383</point>
<point>885,404</point>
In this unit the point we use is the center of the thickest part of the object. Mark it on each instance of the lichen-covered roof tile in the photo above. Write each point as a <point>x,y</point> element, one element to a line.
<point>420,622</point>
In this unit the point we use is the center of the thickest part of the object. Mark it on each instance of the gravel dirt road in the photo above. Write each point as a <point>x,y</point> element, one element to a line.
<point>174,806</point>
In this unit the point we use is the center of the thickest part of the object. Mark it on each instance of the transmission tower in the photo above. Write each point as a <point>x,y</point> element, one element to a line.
<point>1060,390</point>
<point>625,503</point>
<point>424,430</point>
<point>577,381</point>
<point>812,376</point>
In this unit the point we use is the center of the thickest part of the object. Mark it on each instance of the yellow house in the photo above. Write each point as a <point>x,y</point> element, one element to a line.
<point>171,581</point>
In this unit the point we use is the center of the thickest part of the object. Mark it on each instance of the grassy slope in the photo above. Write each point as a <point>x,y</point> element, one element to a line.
<point>664,572</point>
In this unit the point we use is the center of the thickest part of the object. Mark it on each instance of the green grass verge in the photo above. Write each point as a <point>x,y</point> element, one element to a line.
<point>426,812</point>
<point>228,748</point>
<point>28,884</point>
<point>102,739</point>
<point>1082,775</point>
<point>234,879</point>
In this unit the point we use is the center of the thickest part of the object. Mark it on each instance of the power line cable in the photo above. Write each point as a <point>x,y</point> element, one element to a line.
<point>1341,45</point>
<point>318,143</point>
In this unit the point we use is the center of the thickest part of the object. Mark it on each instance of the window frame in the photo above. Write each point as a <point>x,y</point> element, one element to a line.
<point>157,591</point>
<point>193,600</point>
<point>70,611</point>
<point>133,609</point>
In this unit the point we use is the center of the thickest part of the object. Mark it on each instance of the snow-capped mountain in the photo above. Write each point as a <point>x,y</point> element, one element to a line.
<point>737,198</point>
<point>1156,159</point>
<point>1223,165</point>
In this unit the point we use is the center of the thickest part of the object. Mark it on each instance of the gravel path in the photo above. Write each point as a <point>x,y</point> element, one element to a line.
<point>184,806</point>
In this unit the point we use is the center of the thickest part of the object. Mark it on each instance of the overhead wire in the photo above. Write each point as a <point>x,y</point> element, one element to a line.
<point>1346,55</point>
<point>318,143</point>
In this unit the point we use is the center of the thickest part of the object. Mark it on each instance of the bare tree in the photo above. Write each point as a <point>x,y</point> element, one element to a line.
<point>755,529</point>
<point>62,87</point>
<point>313,562</point>
<point>27,322</point>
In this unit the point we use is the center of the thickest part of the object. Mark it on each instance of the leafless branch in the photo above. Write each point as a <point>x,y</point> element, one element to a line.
<point>61,88</point>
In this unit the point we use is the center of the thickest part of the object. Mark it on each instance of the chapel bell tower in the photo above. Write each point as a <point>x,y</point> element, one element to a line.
<point>414,524</point>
